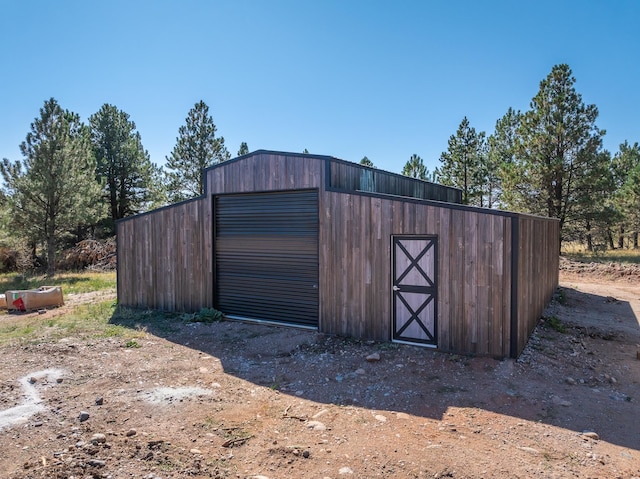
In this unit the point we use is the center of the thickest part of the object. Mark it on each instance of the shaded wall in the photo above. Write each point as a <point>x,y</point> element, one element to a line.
<point>345,176</point>
<point>164,258</point>
<point>474,270</point>
<point>496,270</point>
<point>537,272</point>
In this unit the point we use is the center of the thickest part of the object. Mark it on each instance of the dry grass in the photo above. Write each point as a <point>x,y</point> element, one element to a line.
<point>578,252</point>
<point>78,282</point>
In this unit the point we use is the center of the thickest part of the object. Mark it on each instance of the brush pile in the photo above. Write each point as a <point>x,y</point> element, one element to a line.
<point>90,254</point>
<point>611,271</point>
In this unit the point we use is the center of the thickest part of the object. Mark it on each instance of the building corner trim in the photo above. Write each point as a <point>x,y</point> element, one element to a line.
<point>515,259</point>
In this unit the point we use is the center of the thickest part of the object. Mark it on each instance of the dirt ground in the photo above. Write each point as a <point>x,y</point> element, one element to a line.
<point>237,400</point>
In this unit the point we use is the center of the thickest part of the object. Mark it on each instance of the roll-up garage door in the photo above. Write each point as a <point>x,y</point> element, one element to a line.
<point>267,256</point>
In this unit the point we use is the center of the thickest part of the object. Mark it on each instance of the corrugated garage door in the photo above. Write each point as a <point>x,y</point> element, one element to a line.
<point>267,256</point>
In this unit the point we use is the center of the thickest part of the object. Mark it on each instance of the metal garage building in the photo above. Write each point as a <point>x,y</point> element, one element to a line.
<point>318,242</point>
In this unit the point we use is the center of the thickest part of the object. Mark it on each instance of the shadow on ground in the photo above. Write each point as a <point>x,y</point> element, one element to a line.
<point>579,370</point>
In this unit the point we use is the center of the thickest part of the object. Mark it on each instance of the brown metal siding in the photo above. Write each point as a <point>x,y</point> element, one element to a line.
<point>265,172</point>
<point>164,258</point>
<point>538,269</point>
<point>474,268</point>
<point>347,177</point>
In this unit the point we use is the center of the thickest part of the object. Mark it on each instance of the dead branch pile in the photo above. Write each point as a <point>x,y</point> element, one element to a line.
<point>612,270</point>
<point>90,254</point>
<point>16,258</point>
<point>8,259</point>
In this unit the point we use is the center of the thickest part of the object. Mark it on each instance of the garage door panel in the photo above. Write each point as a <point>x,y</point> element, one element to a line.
<point>245,286</point>
<point>265,267</point>
<point>267,256</point>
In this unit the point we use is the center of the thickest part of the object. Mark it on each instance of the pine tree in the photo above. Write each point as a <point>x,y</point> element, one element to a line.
<point>367,162</point>
<point>123,165</point>
<point>54,188</point>
<point>5,217</point>
<point>158,194</point>
<point>244,149</point>
<point>631,194</point>
<point>626,171</point>
<point>503,175</point>
<point>197,148</point>
<point>558,139</point>
<point>594,213</point>
<point>464,164</point>
<point>415,168</point>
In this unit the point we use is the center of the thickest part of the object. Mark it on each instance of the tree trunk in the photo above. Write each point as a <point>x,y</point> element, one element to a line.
<point>589,238</point>
<point>34,252</point>
<point>621,238</point>
<point>560,242</point>
<point>466,192</point>
<point>51,256</point>
<point>113,200</point>
<point>610,239</point>
<point>635,240</point>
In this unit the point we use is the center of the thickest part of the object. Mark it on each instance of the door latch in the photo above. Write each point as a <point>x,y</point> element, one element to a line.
<point>396,288</point>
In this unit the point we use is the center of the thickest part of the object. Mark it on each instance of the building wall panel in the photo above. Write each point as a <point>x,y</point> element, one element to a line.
<point>347,176</point>
<point>473,269</point>
<point>265,172</point>
<point>164,258</point>
<point>538,269</point>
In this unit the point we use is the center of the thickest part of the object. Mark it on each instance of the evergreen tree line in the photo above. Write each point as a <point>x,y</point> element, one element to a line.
<point>547,161</point>
<point>75,179</point>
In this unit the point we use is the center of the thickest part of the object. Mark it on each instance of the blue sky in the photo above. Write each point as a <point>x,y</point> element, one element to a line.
<point>344,78</point>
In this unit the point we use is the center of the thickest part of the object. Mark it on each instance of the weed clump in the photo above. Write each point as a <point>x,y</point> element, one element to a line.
<point>560,296</point>
<point>205,315</point>
<point>554,323</point>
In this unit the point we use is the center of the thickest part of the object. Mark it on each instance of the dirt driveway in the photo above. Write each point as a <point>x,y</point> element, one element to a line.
<point>234,400</point>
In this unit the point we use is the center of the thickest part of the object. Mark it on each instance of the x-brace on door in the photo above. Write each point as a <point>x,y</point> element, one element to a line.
<point>415,289</point>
